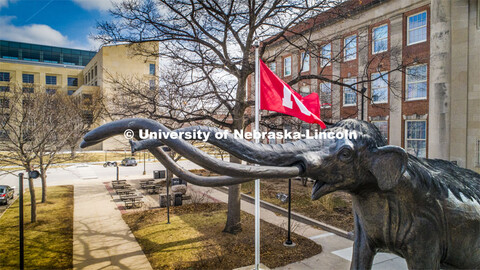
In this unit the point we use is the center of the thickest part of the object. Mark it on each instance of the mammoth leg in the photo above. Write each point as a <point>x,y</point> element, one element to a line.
<point>363,253</point>
<point>424,252</point>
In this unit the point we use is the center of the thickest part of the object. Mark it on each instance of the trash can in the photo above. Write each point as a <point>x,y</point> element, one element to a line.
<point>159,174</point>
<point>163,200</point>
<point>178,199</point>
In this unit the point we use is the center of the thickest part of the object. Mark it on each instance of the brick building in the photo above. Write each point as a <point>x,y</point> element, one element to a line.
<point>416,60</point>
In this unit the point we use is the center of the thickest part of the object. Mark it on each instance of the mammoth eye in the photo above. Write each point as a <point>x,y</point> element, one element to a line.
<point>345,154</point>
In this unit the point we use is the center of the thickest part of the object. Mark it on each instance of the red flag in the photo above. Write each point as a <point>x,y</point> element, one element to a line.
<point>277,96</point>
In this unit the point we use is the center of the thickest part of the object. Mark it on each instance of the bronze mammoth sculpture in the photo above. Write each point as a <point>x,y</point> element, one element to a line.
<point>424,210</point>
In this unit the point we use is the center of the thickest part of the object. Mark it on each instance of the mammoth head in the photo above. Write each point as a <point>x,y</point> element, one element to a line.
<point>335,164</point>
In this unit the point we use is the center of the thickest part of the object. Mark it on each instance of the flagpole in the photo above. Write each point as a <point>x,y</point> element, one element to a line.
<point>257,140</point>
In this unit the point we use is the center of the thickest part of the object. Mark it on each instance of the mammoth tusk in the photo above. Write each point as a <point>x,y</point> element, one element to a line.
<point>190,152</point>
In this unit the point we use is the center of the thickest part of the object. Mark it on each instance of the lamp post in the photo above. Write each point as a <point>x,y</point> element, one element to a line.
<point>289,242</point>
<point>364,89</point>
<point>144,165</point>
<point>34,175</point>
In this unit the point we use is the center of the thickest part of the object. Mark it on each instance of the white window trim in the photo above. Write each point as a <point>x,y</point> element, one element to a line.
<point>406,84</point>
<point>388,127</point>
<point>285,66</point>
<point>322,60</point>
<point>373,39</point>
<point>345,48</point>
<point>426,135</point>
<point>343,95</point>
<point>388,88</point>
<point>303,66</point>
<point>408,28</point>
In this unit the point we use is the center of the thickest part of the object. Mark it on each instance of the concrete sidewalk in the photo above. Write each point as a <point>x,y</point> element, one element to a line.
<point>337,251</point>
<point>101,239</point>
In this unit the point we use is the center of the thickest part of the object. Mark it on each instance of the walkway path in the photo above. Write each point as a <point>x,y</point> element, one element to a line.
<point>101,239</point>
<point>337,251</point>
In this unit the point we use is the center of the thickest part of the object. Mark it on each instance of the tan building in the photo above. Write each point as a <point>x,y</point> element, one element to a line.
<point>417,61</point>
<point>74,72</point>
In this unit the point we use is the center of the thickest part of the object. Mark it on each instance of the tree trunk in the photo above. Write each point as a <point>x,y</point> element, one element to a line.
<point>234,224</point>
<point>43,176</point>
<point>33,202</point>
<point>73,152</point>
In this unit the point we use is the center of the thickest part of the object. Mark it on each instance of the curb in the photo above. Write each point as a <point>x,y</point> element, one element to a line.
<point>8,207</point>
<point>295,216</point>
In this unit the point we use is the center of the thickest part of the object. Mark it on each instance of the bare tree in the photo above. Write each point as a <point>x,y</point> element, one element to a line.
<point>36,128</point>
<point>206,47</point>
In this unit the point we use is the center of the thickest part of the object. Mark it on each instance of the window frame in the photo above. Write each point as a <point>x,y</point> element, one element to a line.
<point>9,78</point>
<point>407,82</point>
<point>372,88</point>
<point>28,74</point>
<point>426,135</point>
<point>74,79</point>
<point>274,65</point>
<point>321,94</point>
<point>345,44</point>
<point>324,61</point>
<point>304,64</point>
<point>150,69</point>
<point>51,76</point>
<point>285,66</point>
<point>386,121</point>
<point>343,93</point>
<point>4,88</point>
<point>408,28</point>
<point>373,39</point>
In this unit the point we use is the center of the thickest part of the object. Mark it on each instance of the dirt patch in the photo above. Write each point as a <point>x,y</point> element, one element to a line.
<point>194,239</point>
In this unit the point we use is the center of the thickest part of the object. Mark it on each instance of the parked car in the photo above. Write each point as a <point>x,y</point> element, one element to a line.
<point>6,193</point>
<point>110,164</point>
<point>130,161</point>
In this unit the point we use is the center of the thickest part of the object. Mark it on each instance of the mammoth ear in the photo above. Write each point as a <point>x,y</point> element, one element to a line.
<point>387,164</point>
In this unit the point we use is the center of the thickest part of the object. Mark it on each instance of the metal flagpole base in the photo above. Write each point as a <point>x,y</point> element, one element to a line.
<point>289,243</point>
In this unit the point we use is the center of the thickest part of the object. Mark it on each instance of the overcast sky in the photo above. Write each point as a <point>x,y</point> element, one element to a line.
<point>63,23</point>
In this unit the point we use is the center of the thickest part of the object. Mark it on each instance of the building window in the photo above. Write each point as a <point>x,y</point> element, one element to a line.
<point>87,99</point>
<point>417,28</point>
<point>95,71</point>
<point>27,78</point>
<point>379,88</point>
<point>86,79</point>
<point>305,90</point>
<point>383,127</point>
<point>3,124</point>
<point>51,91</point>
<point>303,129</point>
<point>380,39</point>
<point>70,92</point>
<point>326,55</point>
<point>326,94</point>
<point>4,88</point>
<point>416,137</point>
<point>4,76</point>
<point>305,61</point>
<point>51,80</point>
<point>287,66</point>
<point>152,85</point>
<point>152,69</point>
<point>416,82</point>
<point>4,103</point>
<point>349,95</point>
<point>350,44</point>
<point>28,90</point>
<point>72,81</point>
<point>287,128</point>
<point>273,67</point>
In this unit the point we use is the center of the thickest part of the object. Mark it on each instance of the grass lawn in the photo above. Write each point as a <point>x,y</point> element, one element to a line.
<point>49,241</point>
<point>334,209</point>
<point>195,240</point>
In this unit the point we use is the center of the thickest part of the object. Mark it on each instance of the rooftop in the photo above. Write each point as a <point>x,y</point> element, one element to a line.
<point>27,52</point>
